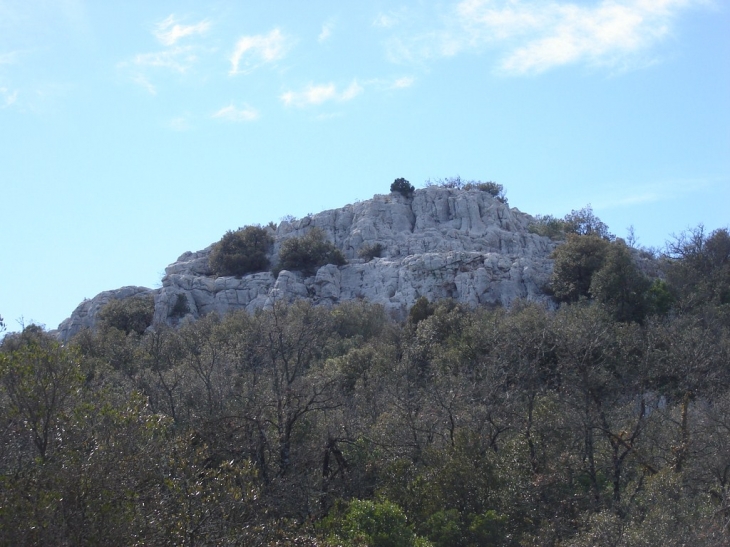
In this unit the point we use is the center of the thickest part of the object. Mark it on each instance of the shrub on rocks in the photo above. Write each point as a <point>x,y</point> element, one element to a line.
<point>241,252</point>
<point>549,226</point>
<point>494,189</point>
<point>369,251</point>
<point>181,307</point>
<point>457,183</point>
<point>309,252</point>
<point>403,187</point>
<point>129,314</point>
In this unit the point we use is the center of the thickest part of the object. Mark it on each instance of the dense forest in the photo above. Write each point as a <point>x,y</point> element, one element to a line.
<point>602,419</point>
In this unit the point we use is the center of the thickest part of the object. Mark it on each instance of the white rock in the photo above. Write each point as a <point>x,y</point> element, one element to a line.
<point>440,243</point>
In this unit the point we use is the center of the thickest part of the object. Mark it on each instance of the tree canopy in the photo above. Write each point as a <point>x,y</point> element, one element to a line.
<point>602,422</point>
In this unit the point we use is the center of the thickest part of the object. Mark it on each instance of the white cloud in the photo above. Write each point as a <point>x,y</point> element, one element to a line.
<point>385,20</point>
<point>180,123</point>
<point>598,35</point>
<point>328,116</point>
<point>179,59</point>
<point>535,36</point>
<point>169,31</point>
<point>326,31</point>
<point>141,80</point>
<point>312,94</point>
<point>352,91</point>
<point>402,83</point>
<point>318,94</point>
<point>233,114</point>
<point>254,51</point>
<point>8,97</point>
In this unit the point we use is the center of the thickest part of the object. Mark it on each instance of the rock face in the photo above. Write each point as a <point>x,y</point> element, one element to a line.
<point>85,314</point>
<point>439,243</point>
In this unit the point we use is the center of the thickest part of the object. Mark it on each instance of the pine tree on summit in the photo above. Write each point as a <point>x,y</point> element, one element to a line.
<point>403,187</point>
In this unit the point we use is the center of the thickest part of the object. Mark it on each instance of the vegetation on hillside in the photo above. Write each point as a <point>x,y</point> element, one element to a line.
<point>128,314</point>
<point>403,187</point>
<point>309,252</point>
<point>579,222</point>
<point>369,251</point>
<point>241,252</point>
<point>604,422</point>
<point>494,189</point>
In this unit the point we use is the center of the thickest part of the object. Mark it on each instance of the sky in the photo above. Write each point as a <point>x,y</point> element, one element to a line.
<point>131,132</point>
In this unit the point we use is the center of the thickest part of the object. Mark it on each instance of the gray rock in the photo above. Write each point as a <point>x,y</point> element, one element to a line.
<point>440,243</point>
<point>85,314</point>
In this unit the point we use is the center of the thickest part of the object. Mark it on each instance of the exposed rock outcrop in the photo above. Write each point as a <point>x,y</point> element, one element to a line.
<point>439,243</point>
<point>85,315</point>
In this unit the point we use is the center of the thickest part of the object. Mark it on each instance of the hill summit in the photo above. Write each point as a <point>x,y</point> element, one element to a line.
<point>467,245</point>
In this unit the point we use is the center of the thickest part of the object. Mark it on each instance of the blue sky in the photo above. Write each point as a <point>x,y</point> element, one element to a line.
<point>133,131</point>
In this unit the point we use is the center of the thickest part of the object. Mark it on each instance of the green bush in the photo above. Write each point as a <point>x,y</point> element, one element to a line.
<point>589,266</point>
<point>699,267</point>
<point>241,252</point>
<point>619,285</point>
<point>659,298</point>
<point>548,226</point>
<point>575,263</point>
<point>583,222</point>
<point>448,182</point>
<point>403,187</point>
<point>309,252</point>
<point>375,524</point>
<point>444,528</point>
<point>370,251</point>
<point>181,307</point>
<point>421,309</point>
<point>496,190</point>
<point>129,314</point>
<point>456,183</point>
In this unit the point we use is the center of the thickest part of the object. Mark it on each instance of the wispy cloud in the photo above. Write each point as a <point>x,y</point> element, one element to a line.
<point>352,91</point>
<point>326,31</point>
<point>312,94</point>
<point>253,51</point>
<point>318,94</point>
<point>233,114</point>
<point>142,81</point>
<point>665,190</point>
<point>535,36</point>
<point>179,59</point>
<point>169,31</point>
<point>388,84</point>
<point>173,57</point>
<point>402,83</point>
<point>179,123</point>
<point>386,20</point>
<point>7,97</point>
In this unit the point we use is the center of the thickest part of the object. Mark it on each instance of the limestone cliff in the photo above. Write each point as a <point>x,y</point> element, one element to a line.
<point>439,243</point>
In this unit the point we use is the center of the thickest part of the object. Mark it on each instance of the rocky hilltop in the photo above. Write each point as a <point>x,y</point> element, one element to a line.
<point>438,243</point>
